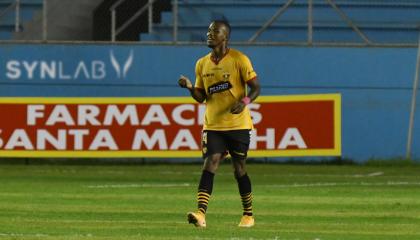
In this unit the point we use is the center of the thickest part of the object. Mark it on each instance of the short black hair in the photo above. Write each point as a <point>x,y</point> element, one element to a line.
<point>224,22</point>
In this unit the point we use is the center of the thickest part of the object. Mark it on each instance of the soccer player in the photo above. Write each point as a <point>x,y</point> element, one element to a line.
<point>222,80</point>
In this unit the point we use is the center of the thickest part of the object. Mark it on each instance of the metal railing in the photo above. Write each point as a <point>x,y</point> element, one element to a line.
<point>118,28</point>
<point>253,39</point>
<point>310,21</point>
<point>16,6</point>
<point>413,104</point>
<point>271,20</point>
<point>175,20</point>
<point>44,20</point>
<point>113,9</point>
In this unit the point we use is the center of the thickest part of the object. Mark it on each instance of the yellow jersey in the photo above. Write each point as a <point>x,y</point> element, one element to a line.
<point>225,83</point>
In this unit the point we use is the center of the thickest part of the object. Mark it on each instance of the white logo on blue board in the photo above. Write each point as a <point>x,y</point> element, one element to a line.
<point>70,68</point>
<point>122,73</point>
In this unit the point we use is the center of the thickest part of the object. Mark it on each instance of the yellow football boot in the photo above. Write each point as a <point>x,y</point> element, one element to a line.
<point>247,221</point>
<point>197,218</point>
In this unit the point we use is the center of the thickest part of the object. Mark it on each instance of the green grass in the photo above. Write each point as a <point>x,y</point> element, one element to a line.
<point>291,202</point>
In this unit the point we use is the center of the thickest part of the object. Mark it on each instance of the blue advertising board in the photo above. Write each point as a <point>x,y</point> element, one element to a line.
<point>375,83</point>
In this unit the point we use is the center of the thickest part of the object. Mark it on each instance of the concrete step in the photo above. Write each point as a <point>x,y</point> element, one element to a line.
<point>67,20</point>
<point>6,33</point>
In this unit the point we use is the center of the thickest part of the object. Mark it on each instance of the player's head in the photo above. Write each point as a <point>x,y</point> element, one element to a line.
<point>218,33</point>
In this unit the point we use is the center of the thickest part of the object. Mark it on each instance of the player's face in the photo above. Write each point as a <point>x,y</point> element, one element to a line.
<point>216,35</point>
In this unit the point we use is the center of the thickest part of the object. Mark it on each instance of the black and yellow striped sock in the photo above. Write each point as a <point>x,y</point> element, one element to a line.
<point>247,204</point>
<point>203,201</point>
<point>205,189</point>
<point>245,190</point>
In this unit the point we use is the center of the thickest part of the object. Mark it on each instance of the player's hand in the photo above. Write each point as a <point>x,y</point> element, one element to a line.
<point>238,107</point>
<point>184,82</point>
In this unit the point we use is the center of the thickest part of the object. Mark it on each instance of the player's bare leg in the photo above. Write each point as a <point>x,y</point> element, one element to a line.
<point>211,163</point>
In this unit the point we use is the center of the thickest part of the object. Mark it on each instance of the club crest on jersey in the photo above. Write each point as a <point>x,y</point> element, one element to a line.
<point>219,87</point>
<point>226,76</point>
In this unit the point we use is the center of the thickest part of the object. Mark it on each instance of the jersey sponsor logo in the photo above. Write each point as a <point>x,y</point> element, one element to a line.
<point>219,87</point>
<point>207,75</point>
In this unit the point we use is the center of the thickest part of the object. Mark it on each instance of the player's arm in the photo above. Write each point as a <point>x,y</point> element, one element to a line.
<point>255,89</point>
<point>254,92</point>
<point>197,93</point>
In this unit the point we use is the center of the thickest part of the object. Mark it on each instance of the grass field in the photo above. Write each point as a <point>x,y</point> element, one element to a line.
<point>291,202</point>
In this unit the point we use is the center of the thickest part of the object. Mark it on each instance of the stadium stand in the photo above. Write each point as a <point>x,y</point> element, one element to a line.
<point>7,15</point>
<point>382,21</point>
<point>67,20</point>
<point>124,11</point>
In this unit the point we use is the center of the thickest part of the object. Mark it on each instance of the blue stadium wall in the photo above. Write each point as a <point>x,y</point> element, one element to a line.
<point>375,83</point>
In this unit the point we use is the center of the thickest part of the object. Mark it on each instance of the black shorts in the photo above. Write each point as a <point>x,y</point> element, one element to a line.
<point>234,142</point>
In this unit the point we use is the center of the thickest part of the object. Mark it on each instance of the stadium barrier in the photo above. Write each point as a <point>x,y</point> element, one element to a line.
<point>375,83</point>
<point>162,127</point>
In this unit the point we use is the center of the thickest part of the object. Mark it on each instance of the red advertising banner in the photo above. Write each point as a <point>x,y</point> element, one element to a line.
<point>302,125</point>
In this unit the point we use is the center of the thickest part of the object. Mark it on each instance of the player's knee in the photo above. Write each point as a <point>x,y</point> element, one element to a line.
<point>210,167</point>
<point>212,162</point>
<point>239,167</point>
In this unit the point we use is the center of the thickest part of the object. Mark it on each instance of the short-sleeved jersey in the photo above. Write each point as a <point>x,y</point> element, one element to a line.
<point>225,83</point>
